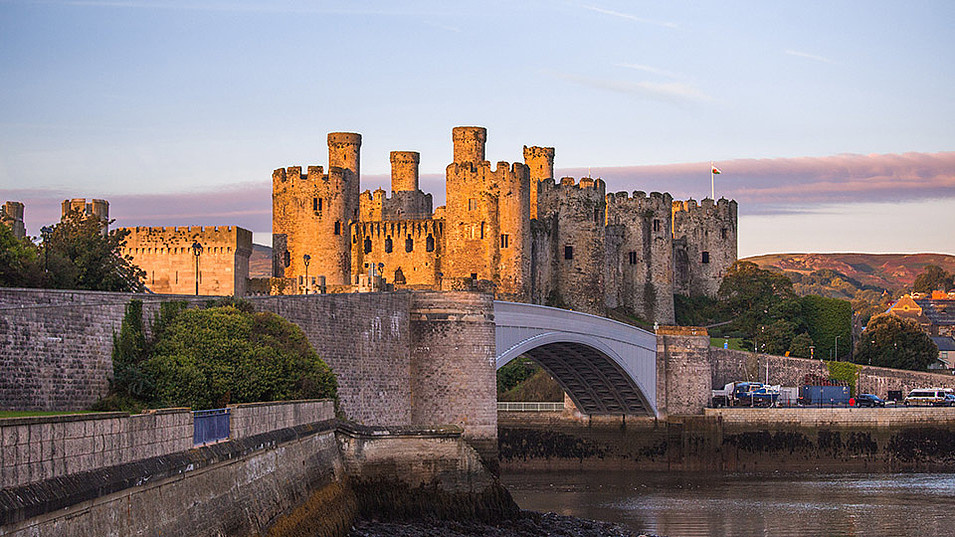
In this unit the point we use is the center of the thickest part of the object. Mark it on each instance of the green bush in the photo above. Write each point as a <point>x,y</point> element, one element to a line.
<point>209,358</point>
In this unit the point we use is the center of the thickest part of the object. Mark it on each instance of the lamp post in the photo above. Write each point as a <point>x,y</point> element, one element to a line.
<point>306,258</point>
<point>836,349</point>
<point>46,230</point>
<point>812,352</point>
<point>197,251</point>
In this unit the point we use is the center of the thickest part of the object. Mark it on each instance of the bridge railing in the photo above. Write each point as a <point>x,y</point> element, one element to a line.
<point>210,426</point>
<point>529,406</point>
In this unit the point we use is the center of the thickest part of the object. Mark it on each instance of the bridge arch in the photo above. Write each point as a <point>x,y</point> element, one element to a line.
<point>606,367</point>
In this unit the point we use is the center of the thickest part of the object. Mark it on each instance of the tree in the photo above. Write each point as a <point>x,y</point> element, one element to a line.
<point>800,346</point>
<point>19,261</point>
<point>78,255</point>
<point>776,337</point>
<point>212,357</point>
<point>934,278</point>
<point>749,292</point>
<point>891,341</point>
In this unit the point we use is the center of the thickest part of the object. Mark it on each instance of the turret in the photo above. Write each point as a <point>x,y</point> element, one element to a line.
<point>344,152</point>
<point>404,171</point>
<point>540,163</point>
<point>469,144</point>
<point>11,215</point>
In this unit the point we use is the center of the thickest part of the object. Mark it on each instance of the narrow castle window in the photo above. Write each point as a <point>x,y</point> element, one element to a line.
<point>388,245</point>
<point>505,240</point>
<point>474,275</point>
<point>723,233</point>
<point>482,230</point>
<point>367,245</point>
<point>409,244</point>
<point>656,224</point>
<point>633,258</point>
<point>287,258</point>
<point>429,244</point>
<point>568,252</point>
<point>706,257</point>
<point>338,227</point>
<point>472,204</point>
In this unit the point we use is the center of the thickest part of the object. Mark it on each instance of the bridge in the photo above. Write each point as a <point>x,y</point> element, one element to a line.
<point>606,367</point>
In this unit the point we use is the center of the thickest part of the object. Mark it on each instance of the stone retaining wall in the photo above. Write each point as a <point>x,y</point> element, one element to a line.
<point>809,417</point>
<point>251,419</point>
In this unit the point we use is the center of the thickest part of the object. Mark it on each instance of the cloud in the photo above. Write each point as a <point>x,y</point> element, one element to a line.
<point>648,69</point>
<point>788,185</point>
<point>811,57</point>
<point>630,17</point>
<point>672,92</point>
<point>778,186</point>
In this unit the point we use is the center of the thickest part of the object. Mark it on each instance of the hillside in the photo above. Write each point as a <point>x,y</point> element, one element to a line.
<point>892,272</point>
<point>260,262</point>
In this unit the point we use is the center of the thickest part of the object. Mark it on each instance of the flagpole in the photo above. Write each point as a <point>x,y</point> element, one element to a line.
<point>712,183</point>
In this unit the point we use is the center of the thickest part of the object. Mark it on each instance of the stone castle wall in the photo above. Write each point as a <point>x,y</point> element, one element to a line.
<point>167,256</point>
<point>511,230</point>
<point>639,260</point>
<point>11,215</point>
<point>409,250</point>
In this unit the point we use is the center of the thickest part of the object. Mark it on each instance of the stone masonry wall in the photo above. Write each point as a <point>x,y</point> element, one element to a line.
<point>34,449</point>
<point>250,419</point>
<point>683,370</point>
<point>453,376</point>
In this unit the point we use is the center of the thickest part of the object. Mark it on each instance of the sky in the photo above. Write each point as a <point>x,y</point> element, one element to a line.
<point>833,122</point>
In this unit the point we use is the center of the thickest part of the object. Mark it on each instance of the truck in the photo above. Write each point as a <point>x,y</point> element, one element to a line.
<point>754,394</point>
<point>823,395</point>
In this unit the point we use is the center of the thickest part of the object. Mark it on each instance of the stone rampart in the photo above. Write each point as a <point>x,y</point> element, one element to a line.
<point>250,419</point>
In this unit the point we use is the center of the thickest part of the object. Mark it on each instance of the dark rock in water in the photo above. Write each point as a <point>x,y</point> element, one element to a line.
<point>527,524</point>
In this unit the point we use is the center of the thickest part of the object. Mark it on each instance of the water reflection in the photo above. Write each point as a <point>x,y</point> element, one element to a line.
<point>691,505</point>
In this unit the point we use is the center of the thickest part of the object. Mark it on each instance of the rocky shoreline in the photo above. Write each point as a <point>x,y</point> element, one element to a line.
<point>526,524</point>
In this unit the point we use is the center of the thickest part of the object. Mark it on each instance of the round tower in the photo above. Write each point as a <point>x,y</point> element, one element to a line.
<point>540,162</point>
<point>404,171</point>
<point>469,144</point>
<point>344,152</point>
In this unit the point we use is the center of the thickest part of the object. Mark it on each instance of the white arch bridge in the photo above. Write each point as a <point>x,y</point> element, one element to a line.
<point>606,367</point>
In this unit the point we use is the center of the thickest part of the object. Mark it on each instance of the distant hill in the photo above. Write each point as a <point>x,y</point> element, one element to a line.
<point>260,262</point>
<point>892,272</point>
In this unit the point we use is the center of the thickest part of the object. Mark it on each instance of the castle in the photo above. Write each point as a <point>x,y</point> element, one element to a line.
<point>509,229</point>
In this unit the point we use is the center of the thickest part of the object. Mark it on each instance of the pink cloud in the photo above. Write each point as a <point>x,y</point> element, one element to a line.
<point>761,186</point>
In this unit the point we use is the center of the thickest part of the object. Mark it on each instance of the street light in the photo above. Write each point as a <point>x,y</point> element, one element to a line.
<point>836,349</point>
<point>46,230</point>
<point>812,352</point>
<point>197,251</point>
<point>306,258</point>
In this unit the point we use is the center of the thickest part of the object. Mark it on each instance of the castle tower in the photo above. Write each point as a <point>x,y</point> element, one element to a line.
<point>486,218</point>
<point>11,215</point>
<point>469,144</point>
<point>540,163</point>
<point>312,214</point>
<point>575,216</point>
<point>705,244</point>
<point>404,171</point>
<point>95,207</point>
<point>639,277</point>
<point>344,152</point>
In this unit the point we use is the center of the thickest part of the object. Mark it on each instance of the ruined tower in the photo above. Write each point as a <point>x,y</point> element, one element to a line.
<point>540,163</point>
<point>311,215</point>
<point>487,218</point>
<point>639,255</point>
<point>704,248</point>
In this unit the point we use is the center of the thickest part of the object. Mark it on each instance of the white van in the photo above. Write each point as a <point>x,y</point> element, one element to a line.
<point>930,396</point>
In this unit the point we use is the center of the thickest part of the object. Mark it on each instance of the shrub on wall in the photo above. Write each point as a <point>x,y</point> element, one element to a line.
<point>844,372</point>
<point>208,358</point>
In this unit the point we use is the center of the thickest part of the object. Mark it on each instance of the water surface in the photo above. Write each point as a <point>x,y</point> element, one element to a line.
<point>691,505</point>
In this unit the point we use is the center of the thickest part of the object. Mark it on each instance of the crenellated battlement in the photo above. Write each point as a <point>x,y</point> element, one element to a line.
<point>400,228</point>
<point>537,152</point>
<point>721,206</point>
<point>639,201</point>
<point>569,184</point>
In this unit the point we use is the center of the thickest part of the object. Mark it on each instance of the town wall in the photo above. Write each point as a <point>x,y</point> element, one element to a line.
<point>11,215</point>
<point>705,238</point>
<point>639,255</point>
<point>579,213</point>
<point>167,257</point>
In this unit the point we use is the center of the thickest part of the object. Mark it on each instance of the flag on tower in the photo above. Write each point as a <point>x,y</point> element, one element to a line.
<point>716,171</point>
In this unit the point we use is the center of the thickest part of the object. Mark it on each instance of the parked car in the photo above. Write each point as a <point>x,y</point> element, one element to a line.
<point>869,400</point>
<point>928,396</point>
<point>949,400</point>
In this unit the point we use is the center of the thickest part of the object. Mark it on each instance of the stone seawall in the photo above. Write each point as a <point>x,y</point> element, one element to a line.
<point>759,440</point>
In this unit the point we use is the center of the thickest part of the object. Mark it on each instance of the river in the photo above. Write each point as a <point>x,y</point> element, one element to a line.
<point>691,505</point>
